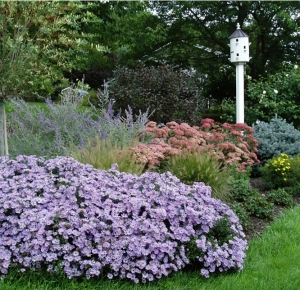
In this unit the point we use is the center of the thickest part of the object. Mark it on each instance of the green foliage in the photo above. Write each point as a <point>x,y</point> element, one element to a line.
<point>39,41</point>
<point>241,212</point>
<point>250,200</point>
<point>280,196</point>
<point>192,251</point>
<point>141,33</point>
<point>275,94</point>
<point>171,94</point>
<point>192,167</point>
<point>276,137</point>
<point>92,99</point>
<point>258,206</point>
<point>198,36</point>
<point>102,154</point>
<point>281,171</point>
<point>294,189</point>
<point>239,175</point>
<point>228,111</point>
<point>241,189</point>
<point>221,231</point>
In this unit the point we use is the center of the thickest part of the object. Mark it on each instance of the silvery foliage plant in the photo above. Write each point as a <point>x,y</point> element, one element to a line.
<point>34,130</point>
<point>64,216</point>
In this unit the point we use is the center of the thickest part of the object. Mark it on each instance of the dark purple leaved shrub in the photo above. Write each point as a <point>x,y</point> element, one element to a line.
<point>64,216</point>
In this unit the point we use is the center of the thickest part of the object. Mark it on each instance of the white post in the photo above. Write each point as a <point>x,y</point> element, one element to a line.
<point>239,55</point>
<point>239,92</point>
<point>3,130</point>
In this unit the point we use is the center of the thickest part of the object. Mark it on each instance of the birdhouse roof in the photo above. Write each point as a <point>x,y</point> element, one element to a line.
<point>238,33</point>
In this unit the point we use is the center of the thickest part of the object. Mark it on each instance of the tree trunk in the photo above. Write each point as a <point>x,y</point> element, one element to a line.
<point>3,131</point>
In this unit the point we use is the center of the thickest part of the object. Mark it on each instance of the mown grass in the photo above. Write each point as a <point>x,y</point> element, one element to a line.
<point>272,263</point>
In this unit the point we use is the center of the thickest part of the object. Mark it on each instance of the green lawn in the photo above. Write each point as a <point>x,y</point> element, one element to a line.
<point>272,263</point>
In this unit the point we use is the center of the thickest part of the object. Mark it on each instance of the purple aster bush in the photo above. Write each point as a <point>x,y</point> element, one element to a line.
<point>67,217</point>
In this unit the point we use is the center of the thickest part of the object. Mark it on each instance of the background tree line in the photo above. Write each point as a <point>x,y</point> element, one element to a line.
<point>44,44</point>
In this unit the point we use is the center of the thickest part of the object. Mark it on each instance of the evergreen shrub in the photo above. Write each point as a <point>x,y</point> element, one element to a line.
<point>276,137</point>
<point>63,216</point>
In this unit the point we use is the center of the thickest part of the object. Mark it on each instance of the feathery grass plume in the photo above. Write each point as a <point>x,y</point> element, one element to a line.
<point>103,153</point>
<point>193,166</point>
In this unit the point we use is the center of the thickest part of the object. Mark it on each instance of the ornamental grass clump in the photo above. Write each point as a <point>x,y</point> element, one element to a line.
<point>281,171</point>
<point>63,216</point>
<point>194,166</point>
<point>102,154</point>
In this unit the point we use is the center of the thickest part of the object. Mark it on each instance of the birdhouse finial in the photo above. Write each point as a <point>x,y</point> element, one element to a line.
<point>238,26</point>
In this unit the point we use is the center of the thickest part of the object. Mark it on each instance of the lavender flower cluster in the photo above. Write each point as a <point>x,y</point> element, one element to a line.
<point>64,216</point>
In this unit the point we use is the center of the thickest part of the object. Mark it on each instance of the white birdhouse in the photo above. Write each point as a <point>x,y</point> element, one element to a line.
<point>239,46</point>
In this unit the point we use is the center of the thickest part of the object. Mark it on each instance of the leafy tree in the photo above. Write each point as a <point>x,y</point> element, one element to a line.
<point>42,39</point>
<point>130,32</point>
<point>275,95</point>
<point>39,40</point>
<point>199,30</point>
<point>140,35</point>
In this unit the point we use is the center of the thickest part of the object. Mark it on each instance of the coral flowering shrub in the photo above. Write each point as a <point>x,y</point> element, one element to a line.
<point>65,216</point>
<point>231,143</point>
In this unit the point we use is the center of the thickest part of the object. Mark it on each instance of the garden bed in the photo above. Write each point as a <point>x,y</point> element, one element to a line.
<point>258,225</point>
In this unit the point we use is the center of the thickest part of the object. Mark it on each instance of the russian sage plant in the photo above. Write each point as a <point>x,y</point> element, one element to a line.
<point>48,132</point>
<point>65,216</point>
